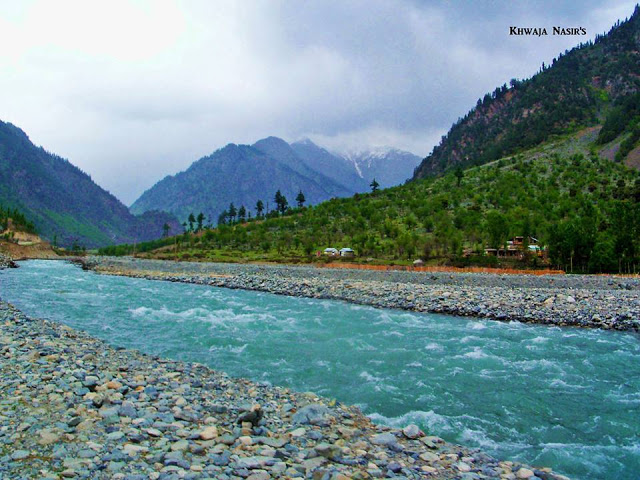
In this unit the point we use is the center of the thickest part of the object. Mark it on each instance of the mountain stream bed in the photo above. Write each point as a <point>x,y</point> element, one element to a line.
<point>561,397</point>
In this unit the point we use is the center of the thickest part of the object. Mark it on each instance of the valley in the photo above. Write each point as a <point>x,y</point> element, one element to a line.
<point>282,309</point>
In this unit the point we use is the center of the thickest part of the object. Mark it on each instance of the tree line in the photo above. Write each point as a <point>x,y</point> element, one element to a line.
<point>585,212</point>
<point>234,215</point>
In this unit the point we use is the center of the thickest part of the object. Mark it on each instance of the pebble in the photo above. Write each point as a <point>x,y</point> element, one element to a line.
<point>524,473</point>
<point>385,439</point>
<point>19,455</point>
<point>180,445</point>
<point>412,431</point>
<point>209,433</point>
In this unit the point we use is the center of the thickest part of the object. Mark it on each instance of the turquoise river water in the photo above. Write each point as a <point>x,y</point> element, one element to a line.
<point>559,397</point>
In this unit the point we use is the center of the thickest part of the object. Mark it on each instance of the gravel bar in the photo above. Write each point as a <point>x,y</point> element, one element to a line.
<point>594,301</point>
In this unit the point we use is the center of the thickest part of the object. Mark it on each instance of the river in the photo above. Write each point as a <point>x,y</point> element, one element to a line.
<point>548,396</point>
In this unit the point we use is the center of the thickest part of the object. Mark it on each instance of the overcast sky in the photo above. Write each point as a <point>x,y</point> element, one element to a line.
<point>133,91</point>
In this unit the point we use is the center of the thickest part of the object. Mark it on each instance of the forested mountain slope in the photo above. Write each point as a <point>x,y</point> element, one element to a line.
<point>580,88</point>
<point>238,174</point>
<point>63,202</point>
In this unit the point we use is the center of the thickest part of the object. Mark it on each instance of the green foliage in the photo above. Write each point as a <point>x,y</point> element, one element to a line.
<point>620,117</point>
<point>628,144</point>
<point>259,208</point>
<point>585,212</point>
<point>127,249</point>
<point>497,228</point>
<point>300,199</point>
<point>459,174</point>
<point>18,220</point>
<point>281,202</point>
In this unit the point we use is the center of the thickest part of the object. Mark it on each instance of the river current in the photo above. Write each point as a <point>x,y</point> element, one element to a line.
<point>548,396</point>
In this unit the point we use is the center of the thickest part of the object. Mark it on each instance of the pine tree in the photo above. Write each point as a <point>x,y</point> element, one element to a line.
<point>459,174</point>
<point>283,205</point>
<point>300,199</point>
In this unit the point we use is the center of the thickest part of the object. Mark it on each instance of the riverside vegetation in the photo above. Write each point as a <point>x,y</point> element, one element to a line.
<point>584,208</point>
<point>16,219</point>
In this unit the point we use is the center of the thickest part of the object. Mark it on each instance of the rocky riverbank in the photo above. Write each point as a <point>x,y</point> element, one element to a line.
<point>73,407</point>
<point>573,300</point>
<point>6,261</point>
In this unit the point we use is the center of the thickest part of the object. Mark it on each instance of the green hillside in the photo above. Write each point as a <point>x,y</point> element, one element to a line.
<point>63,202</point>
<point>584,209</point>
<point>580,88</point>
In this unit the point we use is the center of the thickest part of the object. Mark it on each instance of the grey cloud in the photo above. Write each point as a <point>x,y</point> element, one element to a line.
<point>179,80</point>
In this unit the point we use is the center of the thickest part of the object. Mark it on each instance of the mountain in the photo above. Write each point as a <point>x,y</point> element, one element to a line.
<point>389,166</point>
<point>357,168</point>
<point>579,89</point>
<point>287,154</point>
<point>582,209</point>
<point>333,166</point>
<point>239,174</point>
<point>243,174</point>
<point>62,201</point>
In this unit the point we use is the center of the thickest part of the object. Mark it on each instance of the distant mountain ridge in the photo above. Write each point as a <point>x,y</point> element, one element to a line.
<point>244,174</point>
<point>281,151</point>
<point>239,174</point>
<point>63,202</point>
<point>577,90</point>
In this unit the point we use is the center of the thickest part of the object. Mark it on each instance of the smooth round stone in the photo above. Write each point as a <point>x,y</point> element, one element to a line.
<point>411,431</point>
<point>209,433</point>
<point>86,453</point>
<point>180,445</point>
<point>115,435</point>
<point>384,439</point>
<point>19,455</point>
<point>524,473</point>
